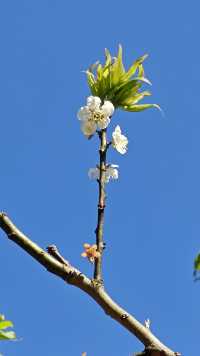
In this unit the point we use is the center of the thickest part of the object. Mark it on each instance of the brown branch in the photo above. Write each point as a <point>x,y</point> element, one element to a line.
<point>101,206</point>
<point>73,276</point>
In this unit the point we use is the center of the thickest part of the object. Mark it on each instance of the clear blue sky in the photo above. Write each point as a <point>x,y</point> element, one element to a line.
<point>152,217</point>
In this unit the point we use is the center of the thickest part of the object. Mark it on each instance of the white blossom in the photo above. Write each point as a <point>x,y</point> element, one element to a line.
<point>119,141</point>
<point>147,323</point>
<point>93,173</point>
<point>95,116</point>
<point>111,172</point>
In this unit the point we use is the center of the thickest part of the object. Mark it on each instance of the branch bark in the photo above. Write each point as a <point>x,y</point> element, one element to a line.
<point>71,275</point>
<point>101,206</point>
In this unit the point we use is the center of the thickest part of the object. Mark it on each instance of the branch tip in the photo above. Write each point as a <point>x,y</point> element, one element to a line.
<point>54,252</point>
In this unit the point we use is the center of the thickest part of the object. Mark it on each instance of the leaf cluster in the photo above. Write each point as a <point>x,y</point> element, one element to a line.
<point>4,333</point>
<point>123,88</point>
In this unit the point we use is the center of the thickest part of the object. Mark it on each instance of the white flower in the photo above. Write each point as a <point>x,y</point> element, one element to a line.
<point>110,173</point>
<point>147,323</point>
<point>119,141</point>
<point>93,173</point>
<point>95,116</point>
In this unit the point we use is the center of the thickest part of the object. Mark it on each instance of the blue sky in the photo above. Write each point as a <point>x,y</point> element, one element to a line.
<point>152,217</point>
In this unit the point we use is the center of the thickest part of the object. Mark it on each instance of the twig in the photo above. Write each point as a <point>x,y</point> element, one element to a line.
<point>101,206</point>
<point>53,251</point>
<point>74,277</point>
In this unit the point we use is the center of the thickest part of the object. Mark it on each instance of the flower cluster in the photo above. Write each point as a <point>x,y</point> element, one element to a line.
<point>90,252</point>
<point>94,115</point>
<point>110,173</point>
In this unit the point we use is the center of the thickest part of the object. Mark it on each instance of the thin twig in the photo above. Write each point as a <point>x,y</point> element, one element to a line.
<point>101,206</point>
<point>53,251</point>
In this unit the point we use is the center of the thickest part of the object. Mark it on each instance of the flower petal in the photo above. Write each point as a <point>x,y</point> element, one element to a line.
<point>93,173</point>
<point>86,245</point>
<point>94,246</point>
<point>93,102</point>
<point>88,127</point>
<point>84,113</point>
<point>111,173</point>
<point>114,165</point>
<point>108,108</point>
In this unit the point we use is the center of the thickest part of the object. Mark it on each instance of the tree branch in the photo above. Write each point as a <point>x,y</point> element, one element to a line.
<point>73,276</point>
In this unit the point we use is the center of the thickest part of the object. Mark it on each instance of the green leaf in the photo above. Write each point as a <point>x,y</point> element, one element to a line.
<point>197,263</point>
<point>143,79</point>
<point>5,324</point>
<point>134,100</point>
<point>91,82</point>
<point>138,108</point>
<point>141,71</point>
<point>127,91</point>
<point>131,84</point>
<point>108,58</point>
<point>93,66</point>
<point>7,335</point>
<point>99,72</point>
<point>134,67</point>
<point>117,68</point>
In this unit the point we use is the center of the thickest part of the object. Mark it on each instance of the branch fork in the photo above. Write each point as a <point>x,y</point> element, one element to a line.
<point>56,264</point>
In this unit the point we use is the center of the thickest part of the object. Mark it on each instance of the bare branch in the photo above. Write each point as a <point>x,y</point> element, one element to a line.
<point>73,276</point>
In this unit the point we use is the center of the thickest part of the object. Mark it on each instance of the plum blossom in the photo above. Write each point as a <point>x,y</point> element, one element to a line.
<point>93,173</point>
<point>94,115</point>
<point>90,252</point>
<point>119,141</point>
<point>147,323</point>
<point>110,173</point>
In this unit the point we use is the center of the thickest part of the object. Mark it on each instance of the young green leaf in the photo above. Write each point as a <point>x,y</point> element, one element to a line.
<point>197,263</point>
<point>111,82</point>
<point>117,68</point>
<point>7,335</point>
<point>134,67</point>
<point>137,97</point>
<point>5,324</point>
<point>138,108</point>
